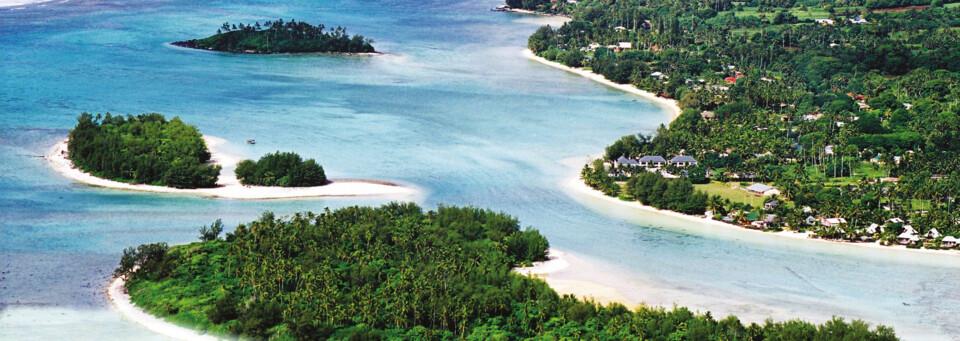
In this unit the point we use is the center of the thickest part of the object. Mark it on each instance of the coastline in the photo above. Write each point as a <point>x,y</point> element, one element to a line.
<point>120,300</point>
<point>580,187</point>
<point>666,103</point>
<point>586,290</point>
<point>526,11</point>
<point>184,44</point>
<point>229,186</point>
<point>15,3</point>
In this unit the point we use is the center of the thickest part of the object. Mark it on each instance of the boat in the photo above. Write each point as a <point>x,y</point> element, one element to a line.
<point>251,141</point>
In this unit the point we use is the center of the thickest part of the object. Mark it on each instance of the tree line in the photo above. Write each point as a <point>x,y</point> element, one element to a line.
<point>143,149</point>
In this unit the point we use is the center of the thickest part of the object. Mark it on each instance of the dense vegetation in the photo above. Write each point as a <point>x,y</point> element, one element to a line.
<point>397,272</point>
<point>821,109</point>
<point>281,37</point>
<point>281,169</point>
<point>144,149</point>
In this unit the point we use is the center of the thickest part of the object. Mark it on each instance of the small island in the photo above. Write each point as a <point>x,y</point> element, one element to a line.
<point>148,153</point>
<point>281,169</point>
<point>142,149</point>
<point>281,37</point>
<point>398,273</point>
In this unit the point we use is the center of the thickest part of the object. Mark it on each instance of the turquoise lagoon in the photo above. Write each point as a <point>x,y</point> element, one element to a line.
<point>453,109</point>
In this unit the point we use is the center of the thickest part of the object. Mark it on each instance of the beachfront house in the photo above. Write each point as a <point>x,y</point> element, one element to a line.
<point>769,205</point>
<point>625,161</point>
<point>683,161</point>
<point>948,241</point>
<point>831,222</point>
<point>653,161</point>
<point>933,234</point>
<point>907,237</point>
<point>810,221</point>
<point>759,189</point>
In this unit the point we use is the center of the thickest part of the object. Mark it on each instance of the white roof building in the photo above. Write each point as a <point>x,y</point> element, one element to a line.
<point>832,221</point>
<point>762,189</point>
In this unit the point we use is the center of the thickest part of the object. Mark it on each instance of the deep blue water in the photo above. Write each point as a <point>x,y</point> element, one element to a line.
<point>453,109</point>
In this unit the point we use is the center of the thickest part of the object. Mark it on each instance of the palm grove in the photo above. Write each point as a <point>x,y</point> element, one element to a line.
<point>821,107</point>
<point>400,273</point>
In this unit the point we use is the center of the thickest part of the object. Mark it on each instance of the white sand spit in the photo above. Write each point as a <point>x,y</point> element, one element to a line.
<point>14,3</point>
<point>582,289</point>
<point>229,186</point>
<point>117,293</point>
<point>664,102</point>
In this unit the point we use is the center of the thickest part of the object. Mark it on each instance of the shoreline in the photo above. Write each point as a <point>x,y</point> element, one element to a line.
<point>18,3</point>
<point>580,187</point>
<point>666,103</point>
<point>526,11</point>
<point>183,44</point>
<point>229,186</point>
<point>584,290</point>
<point>120,300</point>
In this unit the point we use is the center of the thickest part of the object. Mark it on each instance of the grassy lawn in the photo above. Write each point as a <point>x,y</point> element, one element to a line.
<point>734,194</point>
<point>864,169</point>
<point>810,14</point>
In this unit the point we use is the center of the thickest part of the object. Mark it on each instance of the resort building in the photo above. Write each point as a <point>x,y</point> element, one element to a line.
<point>769,205</point>
<point>683,161</point>
<point>653,161</point>
<point>933,234</point>
<point>625,161</point>
<point>907,237</point>
<point>830,222</point>
<point>948,241</point>
<point>761,189</point>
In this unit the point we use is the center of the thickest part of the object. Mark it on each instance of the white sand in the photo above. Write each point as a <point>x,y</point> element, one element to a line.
<point>229,187</point>
<point>13,3</point>
<point>580,187</point>
<point>664,102</point>
<point>117,293</point>
<point>581,289</point>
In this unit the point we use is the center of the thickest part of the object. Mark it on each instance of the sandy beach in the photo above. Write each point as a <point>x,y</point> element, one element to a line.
<point>664,102</point>
<point>14,3</point>
<point>526,11</point>
<point>582,289</point>
<point>229,186</point>
<point>117,293</point>
<point>579,186</point>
